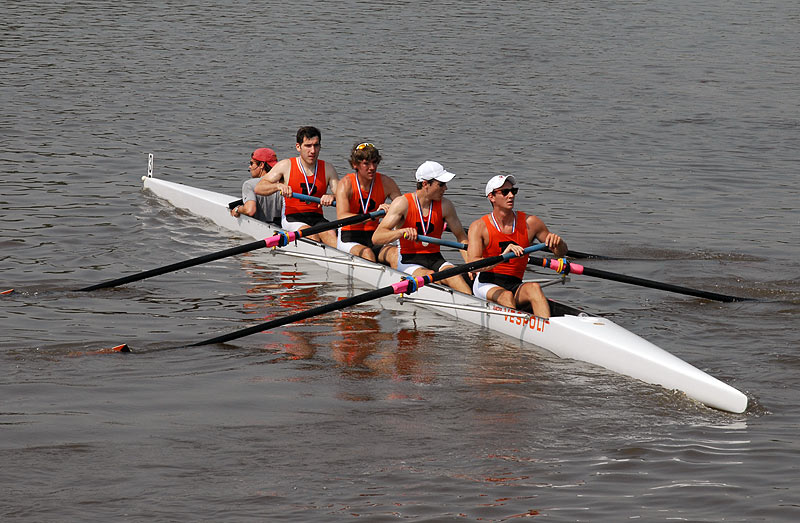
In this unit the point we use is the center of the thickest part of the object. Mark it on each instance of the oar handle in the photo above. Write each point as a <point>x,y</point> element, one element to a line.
<point>309,198</point>
<point>439,241</point>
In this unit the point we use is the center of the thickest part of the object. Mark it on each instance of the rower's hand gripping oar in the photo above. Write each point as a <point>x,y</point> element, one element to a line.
<point>279,240</point>
<point>570,253</point>
<point>405,286</point>
<point>300,196</point>
<point>564,267</point>
<point>309,198</point>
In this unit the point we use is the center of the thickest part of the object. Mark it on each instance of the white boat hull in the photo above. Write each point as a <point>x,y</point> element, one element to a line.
<point>591,339</point>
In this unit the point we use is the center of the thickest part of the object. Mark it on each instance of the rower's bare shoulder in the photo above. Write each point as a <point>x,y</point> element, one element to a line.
<point>344,185</point>
<point>330,171</point>
<point>477,225</point>
<point>399,206</point>
<point>448,207</point>
<point>478,230</point>
<point>286,163</point>
<point>280,171</point>
<point>390,186</point>
<point>535,223</point>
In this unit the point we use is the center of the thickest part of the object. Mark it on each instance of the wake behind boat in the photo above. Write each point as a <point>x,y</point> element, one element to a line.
<point>569,333</point>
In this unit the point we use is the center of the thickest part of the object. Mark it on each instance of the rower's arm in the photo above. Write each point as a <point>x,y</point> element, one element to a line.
<point>333,183</point>
<point>390,188</point>
<point>273,181</point>
<point>537,229</point>
<point>343,191</point>
<point>248,206</point>
<point>386,232</point>
<point>478,239</point>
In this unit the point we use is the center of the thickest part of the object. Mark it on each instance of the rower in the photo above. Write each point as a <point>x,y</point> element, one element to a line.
<point>265,208</point>
<point>361,192</point>
<point>304,174</point>
<point>423,213</point>
<point>505,230</point>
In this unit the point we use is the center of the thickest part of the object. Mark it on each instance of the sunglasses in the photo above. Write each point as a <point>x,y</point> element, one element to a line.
<point>363,146</point>
<point>504,192</point>
<point>253,162</point>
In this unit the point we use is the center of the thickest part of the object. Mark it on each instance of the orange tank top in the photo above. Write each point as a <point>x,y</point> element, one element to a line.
<point>312,184</point>
<point>498,242</point>
<point>431,225</point>
<point>368,201</point>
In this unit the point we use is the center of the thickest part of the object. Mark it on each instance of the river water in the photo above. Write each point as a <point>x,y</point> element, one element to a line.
<point>665,134</point>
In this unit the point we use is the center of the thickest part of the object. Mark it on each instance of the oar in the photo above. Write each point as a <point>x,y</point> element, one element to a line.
<point>565,267</point>
<point>463,246</point>
<point>279,240</point>
<point>407,286</point>
<point>586,255</point>
<point>299,196</point>
<point>570,253</point>
<point>309,198</point>
<point>439,241</point>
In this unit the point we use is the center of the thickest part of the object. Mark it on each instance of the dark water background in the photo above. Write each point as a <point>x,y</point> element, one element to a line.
<point>664,133</point>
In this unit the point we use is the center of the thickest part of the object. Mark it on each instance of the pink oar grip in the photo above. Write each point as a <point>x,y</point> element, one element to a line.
<point>400,287</point>
<point>413,283</point>
<point>556,265</point>
<point>275,241</point>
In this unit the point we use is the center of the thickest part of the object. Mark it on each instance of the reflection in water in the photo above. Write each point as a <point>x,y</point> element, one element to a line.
<point>365,344</point>
<point>276,293</point>
<point>362,346</point>
<point>366,349</point>
<point>360,337</point>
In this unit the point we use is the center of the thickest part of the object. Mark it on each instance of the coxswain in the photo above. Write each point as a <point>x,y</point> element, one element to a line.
<point>265,208</point>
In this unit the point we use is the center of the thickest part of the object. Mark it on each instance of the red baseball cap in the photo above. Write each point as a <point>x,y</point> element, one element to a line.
<point>265,154</point>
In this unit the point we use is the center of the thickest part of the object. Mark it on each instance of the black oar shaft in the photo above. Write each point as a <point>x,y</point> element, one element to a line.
<point>177,266</point>
<point>408,285</point>
<point>300,316</point>
<point>622,278</point>
<point>586,255</point>
<point>574,268</point>
<point>269,242</point>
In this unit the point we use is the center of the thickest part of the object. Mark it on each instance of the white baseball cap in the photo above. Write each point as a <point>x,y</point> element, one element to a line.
<point>498,181</point>
<point>433,171</point>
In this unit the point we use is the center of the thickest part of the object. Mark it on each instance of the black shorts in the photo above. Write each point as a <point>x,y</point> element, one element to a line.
<point>509,283</point>
<point>362,237</point>
<point>431,261</point>
<point>309,218</point>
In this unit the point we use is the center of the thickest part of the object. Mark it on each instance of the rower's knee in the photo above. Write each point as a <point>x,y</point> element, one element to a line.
<point>364,252</point>
<point>329,238</point>
<point>530,295</point>
<point>388,256</point>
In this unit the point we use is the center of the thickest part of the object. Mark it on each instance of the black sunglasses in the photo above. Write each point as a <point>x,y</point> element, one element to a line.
<point>504,192</point>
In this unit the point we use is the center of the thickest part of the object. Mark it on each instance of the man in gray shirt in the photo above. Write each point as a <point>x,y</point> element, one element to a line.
<point>265,208</point>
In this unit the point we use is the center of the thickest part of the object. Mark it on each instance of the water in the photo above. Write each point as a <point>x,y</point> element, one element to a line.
<point>663,134</point>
